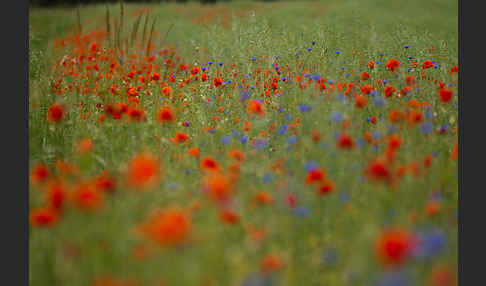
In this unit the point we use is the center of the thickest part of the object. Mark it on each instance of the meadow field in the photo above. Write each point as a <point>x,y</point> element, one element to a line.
<point>244,143</point>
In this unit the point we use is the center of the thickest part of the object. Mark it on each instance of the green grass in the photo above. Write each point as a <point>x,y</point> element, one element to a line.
<point>219,254</point>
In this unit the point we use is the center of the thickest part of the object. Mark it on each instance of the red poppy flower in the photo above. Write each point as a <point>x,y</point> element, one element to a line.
<point>361,101</point>
<point>55,113</point>
<point>394,247</point>
<point>167,228</point>
<point>345,142</point>
<point>256,107</point>
<point>379,171</point>
<point>39,174</point>
<point>209,164</point>
<point>43,217</point>
<point>315,175</point>
<point>271,263</point>
<point>392,65</point>
<point>87,197</point>
<point>365,76</point>
<point>427,64</point>
<point>143,171</point>
<point>229,216</point>
<point>326,188</point>
<point>165,114</point>
<point>445,95</point>
<point>217,81</point>
<point>389,90</point>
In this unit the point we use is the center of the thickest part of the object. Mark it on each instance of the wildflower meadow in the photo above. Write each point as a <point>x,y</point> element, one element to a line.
<point>244,143</point>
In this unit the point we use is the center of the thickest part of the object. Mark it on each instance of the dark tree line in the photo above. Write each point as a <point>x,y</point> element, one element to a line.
<point>78,2</point>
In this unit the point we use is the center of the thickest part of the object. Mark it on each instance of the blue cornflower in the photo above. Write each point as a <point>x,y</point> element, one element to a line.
<point>406,46</point>
<point>220,64</point>
<point>244,95</point>
<point>301,211</point>
<point>280,110</point>
<point>283,129</point>
<point>435,196</point>
<point>444,127</point>
<point>360,142</point>
<point>311,165</point>
<point>431,243</point>
<point>243,139</point>
<point>344,197</point>
<point>226,140</point>
<point>256,280</point>
<point>426,128</point>
<point>394,278</point>
<point>172,186</point>
<point>304,108</point>
<point>276,67</point>
<point>260,144</point>
<point>379,101</point>
<point>313,42</point>
<point>338,52</point>
<point>284,78</point>
<point>288,117</point>
<point>235,133</point>
<point>203,68</point>
<point>267,178</point>
<point>309,49</point>
<point>212,131</point>
<point>342,98</point>
<point>382,54</point>
<point>292,140</point>
<point>336,116</point>
<point>253,58</point>
<point>210,62</point>
<point>330,256</point>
